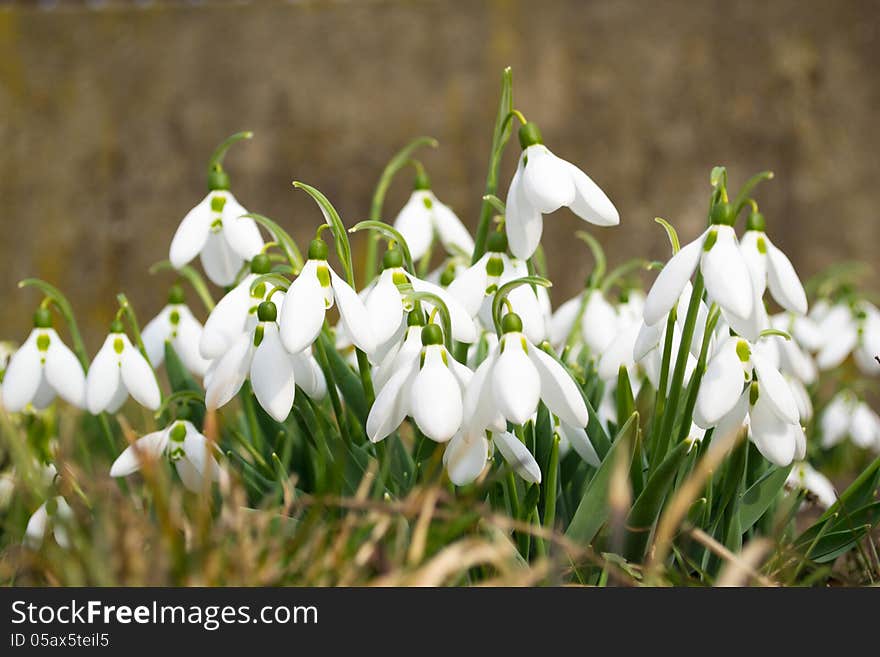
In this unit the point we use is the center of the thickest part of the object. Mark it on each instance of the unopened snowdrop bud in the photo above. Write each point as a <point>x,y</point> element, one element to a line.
<point>41,368</point>
<point>428,388</point>
<point>189,451</point>
<point>423,216</point>
<point>53,515</point>
<point>726,275</point>
<point>175,324</point>
<point>274,372</point>
<point>542,184</point>
<point>235,314</point>
<point>309,298</point>
<point>476,287</point>
<point>515,376</point>
<point>386,303</point>
<point>517,456</point>
<point>769,266</point>
<point>575,438</point>
<point>118,370</point>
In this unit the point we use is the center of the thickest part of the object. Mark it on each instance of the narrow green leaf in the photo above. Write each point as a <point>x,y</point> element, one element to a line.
<point>760,495</point>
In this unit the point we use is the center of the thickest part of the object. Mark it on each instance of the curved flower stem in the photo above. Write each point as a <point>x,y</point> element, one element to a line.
<point>399,161</point>
<point>598,256</point>
<point>220,152</point>
<point>282,238</point>
<point>128,311</point>
<point>627,267</point>
<point>381,228</point>
<point>507,288</point>
<point>743,197</point>
<point>63,305</point>
<point>192,276</point>
<point>500,136</point>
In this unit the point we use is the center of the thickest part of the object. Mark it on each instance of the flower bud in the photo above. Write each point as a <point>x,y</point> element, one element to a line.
<point>432,334</point>
<point>267,312</point>
<point>511,323</point>
<point>261,264</point>
<point>318,249</point>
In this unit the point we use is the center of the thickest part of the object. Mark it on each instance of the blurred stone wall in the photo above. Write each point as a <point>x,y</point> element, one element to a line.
<point>110,110</point>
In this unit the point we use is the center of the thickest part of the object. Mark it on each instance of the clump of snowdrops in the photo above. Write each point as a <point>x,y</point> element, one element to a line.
<point>307,421</point>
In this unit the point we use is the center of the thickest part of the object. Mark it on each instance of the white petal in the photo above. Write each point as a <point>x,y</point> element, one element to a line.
<point>139,378</point>
<point>191,478</point>
<point>773,437</point>
<point>835,420</point>
<point>154,335</point>
<point>775,389</point>
<point>229,373</point>
<point>398,357</point>
<point>186,342</point>
<point>599,323</point>
<point>242,234</point>
<point>413,222</point>
<point>191,234</point>
<point>435,397</point>
<point>525,303</point>
<point>353,314</point>
<point>465,457</point>
<point>721,386</point>
<point>45,394</point>
<point>797,363</point>
<point>391,407</point>
<point>272,376</point>
<point>308,375</point>
<point>802,397</point>
<point>198,452</point>
<point>469,287</point>
<point>837,348</point>
<point>64,372</point>
<point>23,375</point>
<point>147,448</point>
<point>785,286</point>
<point>668,287</point>
<point>733,421</point>
<point>228,320</point>
<point>220,262</point>
<point>384,307</point>
<point>36,527</point>
<point>463,327</point>
<point>578,439</point>
<point>590,202</point>
<point>864,426</point>
<point>727,277</point>
<point>647,340</point>
<point>516,384</point>
<point>563,321</point>
<point>302,316</point>
<point>518,456</point>
<point>453,234</point>
<point>480,409</point>
<point>754,259</point>
<point>546,179</point>
<point>522,221</point>
<point>104,381</point>
<point>619,352</point>
<point>558,390</point>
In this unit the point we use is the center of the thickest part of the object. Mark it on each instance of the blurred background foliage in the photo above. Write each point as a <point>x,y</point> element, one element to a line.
<point>110,110</point>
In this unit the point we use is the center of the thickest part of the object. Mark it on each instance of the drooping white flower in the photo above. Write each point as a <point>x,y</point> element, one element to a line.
<point>400,354</point>
<point>386,303</point>
<point>189,451</point>
<point>771,267</point>
<point>117,371</point>
<point>309,298</point>
<point>596,318</point>
<point>793,360</point>
<point>515,376</point>
<point>847,415</point>
<point>43,367</point>
<point>465,456</point>
<point>236,312</point>
<point>424,216</point>
<point>517,456</point>
<point>804,476</point>
<point>475,288</point>
<point>726,275</point>
<point>427,386</point>
<point>216,230</point>
<point>53,515</point>
<point>850,329</point>
<point>176,325</point>
<point>575,438</point>
<point>542,184</point>
<point>273,371</point>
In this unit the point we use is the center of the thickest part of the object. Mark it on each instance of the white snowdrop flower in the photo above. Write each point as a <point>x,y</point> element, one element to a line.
<point>652,336</point>
<point>465,456</point>
<point>424,216</point>
<point>847,416</point>
<point>428,387</point>
<point>53,515</point>
<point>770,267</point>
<point>725,272</point>
<point>401,354</point>
<point>695,436</point>
<point>515,376</point>
<point>517,456</point>
<point>236,312</point>
<point>309,298</point>
<point>475,288</point>
<point>117,371</point>
<point>176,325</point>
<point>805,477</point>
<point>620,352</point>
<point>189,451</point>
<point>41,368</point>
<point>801,397</point>
<point>386,303</point>
<point>849,329</point>
<point>542,184</point>
<point>793,360</point>
<point>453,267</point>
<point>273,371</point>
<point>575,438</point>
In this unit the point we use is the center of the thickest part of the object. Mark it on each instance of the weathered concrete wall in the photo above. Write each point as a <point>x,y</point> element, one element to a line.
<point>108,117</point>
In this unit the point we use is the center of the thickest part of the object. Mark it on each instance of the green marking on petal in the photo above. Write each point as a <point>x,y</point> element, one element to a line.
<point>218,203</point>
<point>711,238</point>
<point>43,342</point>
<point>216,225</point>
<point>754,393</point>
<point>259,291</point>
<point>178,433</point>
<point>118,345</point>
<point>399,278</point>
<point>428,203</point>
<point>323,273</point>
<point>258,335</point>
<point>495,266</point>
<point>743,351</point>
<point>174,317</point>
<point>761,243</point>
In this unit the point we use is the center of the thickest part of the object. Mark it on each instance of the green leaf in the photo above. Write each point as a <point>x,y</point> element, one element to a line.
<point>509,287</point>
<point>347,380</point>
<point>844,534</point>
<point>760,495</point>
<point>647,507</point>
<point>392,234</point>
<point>592,511</point>
<point>332,218</point>
<point>626,404</point>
